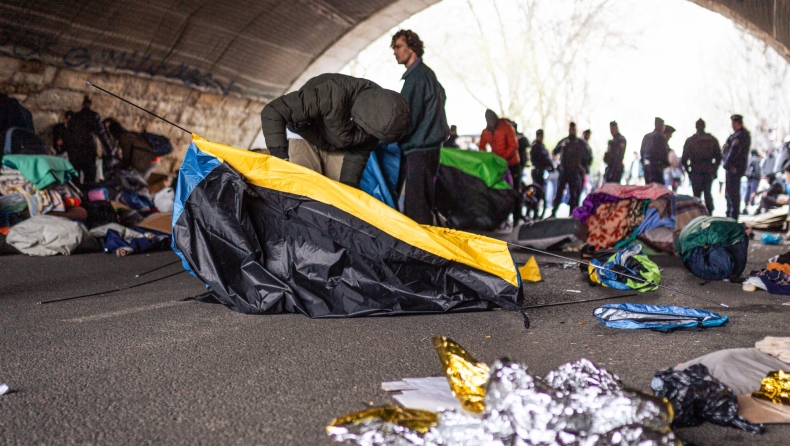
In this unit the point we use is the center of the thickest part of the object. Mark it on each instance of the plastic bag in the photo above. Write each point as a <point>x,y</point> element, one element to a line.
<point>698,397</point>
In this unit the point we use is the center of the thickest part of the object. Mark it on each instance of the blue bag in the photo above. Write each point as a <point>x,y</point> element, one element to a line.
<point>160,144</point>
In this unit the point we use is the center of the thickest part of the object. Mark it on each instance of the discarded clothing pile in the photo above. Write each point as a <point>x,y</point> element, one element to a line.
<point>616,215</point>
<point>34,185</point>
<point>713,248</point>
<point>626,261</point>
<point>756,376</point>
<point>268,236</point>
<point>775,277</point>
<point>578,403</point>
<point>42,212</point>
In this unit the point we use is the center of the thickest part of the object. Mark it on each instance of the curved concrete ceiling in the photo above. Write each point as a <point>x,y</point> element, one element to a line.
<point>247,48</point>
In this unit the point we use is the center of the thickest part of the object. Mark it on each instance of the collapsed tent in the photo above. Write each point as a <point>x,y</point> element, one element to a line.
<point>626,261</point>
<point>656,317</point>
<point>268,236</point>
<point>713,248</point>
<point>472,191</point>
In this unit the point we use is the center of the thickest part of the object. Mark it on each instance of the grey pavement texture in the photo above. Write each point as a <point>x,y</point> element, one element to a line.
<point>141,367</point>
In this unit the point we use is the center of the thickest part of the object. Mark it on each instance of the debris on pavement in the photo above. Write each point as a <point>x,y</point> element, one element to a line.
<point>630,261</point>
<point>578,403</point>
<point>3,389</point>
<point>696,397</point>
<point>629,316</point>
<point>530,272</point>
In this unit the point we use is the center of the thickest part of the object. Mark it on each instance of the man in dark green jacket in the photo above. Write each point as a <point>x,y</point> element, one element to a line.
<point>427,129</point>
<point>338,120</point>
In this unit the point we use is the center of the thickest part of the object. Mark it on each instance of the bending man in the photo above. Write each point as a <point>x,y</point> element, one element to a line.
<point>340,119</point>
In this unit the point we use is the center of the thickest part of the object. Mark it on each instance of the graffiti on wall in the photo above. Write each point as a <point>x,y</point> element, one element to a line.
<point>26,45</point>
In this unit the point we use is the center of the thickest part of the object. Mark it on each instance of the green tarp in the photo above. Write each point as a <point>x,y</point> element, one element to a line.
<point>42,170</point>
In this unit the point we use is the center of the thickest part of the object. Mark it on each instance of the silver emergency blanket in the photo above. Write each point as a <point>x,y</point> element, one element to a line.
<point>577,404</point>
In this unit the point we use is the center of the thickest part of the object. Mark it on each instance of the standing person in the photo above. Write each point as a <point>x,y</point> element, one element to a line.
<point>422,141</point>
<point>615,152</point>
<point>574,163</point>
<point>736,155</point>
<point>501,136</point>
<point>753,175</point>
<point>673,174</point>
<point>59,132</point>
<point>523,145</point>
<point>340,120</point>
<point>541,161</point>
<point>701,159</point>
<point>79,140</point>
<point>451,141</point>
<point>769,163</point>
<point>655,154</point>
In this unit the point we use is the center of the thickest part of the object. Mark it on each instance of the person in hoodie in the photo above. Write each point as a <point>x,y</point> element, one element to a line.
<point>427,128</point>
<point>334,121</point>
<point>501,137</point>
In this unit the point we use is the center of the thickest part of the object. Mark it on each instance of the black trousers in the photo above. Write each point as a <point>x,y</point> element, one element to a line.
<point>419,169</point>
<point>88,169</point>
<point>732,190</point>
<point>653,173</point>
<point>537,179</point>
<point>701,183</point>
<point>613,174</point>
<point>515,173</point>
<point>574,181</point>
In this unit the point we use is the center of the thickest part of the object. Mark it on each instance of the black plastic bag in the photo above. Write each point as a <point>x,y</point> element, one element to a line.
<point>698,397</point>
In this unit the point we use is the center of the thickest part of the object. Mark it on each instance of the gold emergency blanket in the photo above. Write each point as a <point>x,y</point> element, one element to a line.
<point>775,388</point>
<point>467,376</point>
<point>417,420</point>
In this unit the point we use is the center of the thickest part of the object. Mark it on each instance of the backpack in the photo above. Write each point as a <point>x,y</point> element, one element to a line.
<point>160,144</point>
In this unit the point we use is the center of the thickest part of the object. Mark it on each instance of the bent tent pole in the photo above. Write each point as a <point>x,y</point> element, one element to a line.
<point>110,291</point>
<point>641,279</point>
<point>135,105</point>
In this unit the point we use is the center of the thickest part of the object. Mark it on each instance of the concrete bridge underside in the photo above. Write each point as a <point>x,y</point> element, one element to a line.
<point>210,65</point>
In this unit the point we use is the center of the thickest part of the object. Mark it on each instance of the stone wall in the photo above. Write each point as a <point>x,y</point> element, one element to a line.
<point>47,91</point>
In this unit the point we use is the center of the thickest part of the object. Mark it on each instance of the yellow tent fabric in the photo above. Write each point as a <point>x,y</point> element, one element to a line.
<point>530,271</point>
<point>484,253</point>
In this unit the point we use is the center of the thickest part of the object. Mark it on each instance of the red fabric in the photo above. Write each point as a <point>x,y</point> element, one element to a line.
<point>503,142</point>
<point>4,230</point>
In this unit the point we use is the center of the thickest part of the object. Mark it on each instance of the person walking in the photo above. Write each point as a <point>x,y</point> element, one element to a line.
<point>426,131</point>
<point>574,163</point>
<point>701,159</point>
<point>79,142</point>
<point>736,156</point>
<point>615,152</point>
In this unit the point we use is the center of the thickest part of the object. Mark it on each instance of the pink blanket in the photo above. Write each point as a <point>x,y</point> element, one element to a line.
<point>651,191</point>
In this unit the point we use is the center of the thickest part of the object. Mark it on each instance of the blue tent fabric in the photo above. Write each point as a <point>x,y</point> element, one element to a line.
<point>195,168</point>
<point>380,178</point>
<point>373,181</point>
<point>630,316</point>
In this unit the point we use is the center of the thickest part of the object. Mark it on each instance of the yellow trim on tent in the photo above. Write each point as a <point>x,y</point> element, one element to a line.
<point>270,172</point>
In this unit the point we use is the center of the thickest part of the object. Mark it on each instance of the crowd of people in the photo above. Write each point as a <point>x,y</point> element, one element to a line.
<point>334,121</point>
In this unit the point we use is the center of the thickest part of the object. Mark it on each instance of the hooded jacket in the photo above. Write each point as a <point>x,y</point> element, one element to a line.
<point>336,112</point>
<point>503,142</point>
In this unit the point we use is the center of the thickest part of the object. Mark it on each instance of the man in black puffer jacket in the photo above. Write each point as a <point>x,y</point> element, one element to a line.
<point>340,120</point>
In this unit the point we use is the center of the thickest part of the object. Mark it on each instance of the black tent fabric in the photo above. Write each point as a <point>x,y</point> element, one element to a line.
<point>268,236</point>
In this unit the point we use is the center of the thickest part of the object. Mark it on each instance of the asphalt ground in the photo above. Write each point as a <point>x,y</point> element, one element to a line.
<point>140,366</point>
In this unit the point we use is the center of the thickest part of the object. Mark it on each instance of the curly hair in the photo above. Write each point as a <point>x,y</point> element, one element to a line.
<point>412,41</point>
